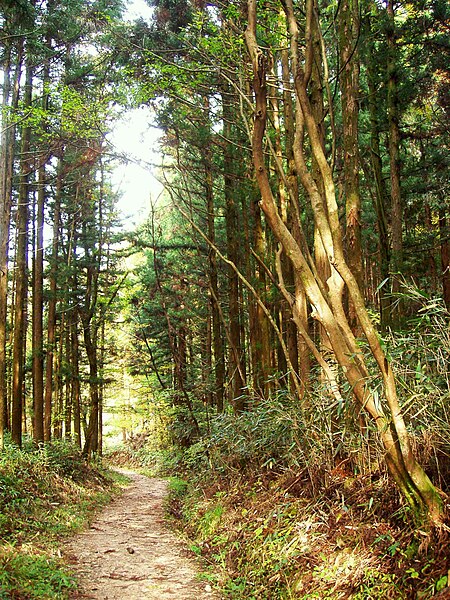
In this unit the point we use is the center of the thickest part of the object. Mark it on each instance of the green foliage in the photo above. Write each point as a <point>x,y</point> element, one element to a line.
<point>36,482</point>
<point>419,356</point>
<point>283,500</point>
<point>278,537</point>
<point>32,575</point>
<point>177,486</point>
<point>265,437</point>
<point>45,493</point>
<point>66,458</point>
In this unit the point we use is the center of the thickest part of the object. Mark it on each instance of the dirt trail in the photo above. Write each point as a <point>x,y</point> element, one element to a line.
<point>129,553</point>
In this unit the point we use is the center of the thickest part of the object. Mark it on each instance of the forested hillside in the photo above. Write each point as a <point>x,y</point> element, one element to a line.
<point>278,329</point>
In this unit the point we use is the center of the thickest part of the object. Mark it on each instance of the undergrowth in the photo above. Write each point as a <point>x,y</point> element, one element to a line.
<point>275,537</point>
<point>45,494</point>
<point>289,500</point>
<point>286,502</point>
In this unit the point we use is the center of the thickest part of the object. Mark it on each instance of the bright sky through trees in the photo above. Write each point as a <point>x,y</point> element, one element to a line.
<point>134,137</point>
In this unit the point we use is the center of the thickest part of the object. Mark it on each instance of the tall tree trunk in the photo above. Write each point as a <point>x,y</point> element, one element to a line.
<point>68,407</point>
<point>236,364</point>
<point>101,389</point>
<point>260,336</point>
<point>20,306</point>
<point>90,342</point>
<point>38,284</point>
<point>58,388</point>
<point>298,349</point>
<point>10,102</point>
<point>88,311</point>
<point>380,201</point>
<point>394,157</point>
<point>217,339</point>
<point>75,379</point>
<point>6,161</point>
<point>348,23</point>
<point>407,473</point>
<point>314,73</point>
<point>38,307</point>
<point>52,303</point>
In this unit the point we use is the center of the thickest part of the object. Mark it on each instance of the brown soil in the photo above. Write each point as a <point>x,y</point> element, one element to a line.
<point>129,553</point>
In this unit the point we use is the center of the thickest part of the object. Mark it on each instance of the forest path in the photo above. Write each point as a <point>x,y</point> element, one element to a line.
<point>129,553</point>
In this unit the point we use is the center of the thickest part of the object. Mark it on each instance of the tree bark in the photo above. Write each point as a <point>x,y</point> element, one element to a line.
<point>236,365</point>
<point>445,256</point>
<point>408,474</point>
<point>380,201</point>
<point>38,283</point>
<point>20,307</point>
<point>10,94</point>
<point>394,157</point>
<point>52,303</point>
<point>91,441</point>
<point>348,24</point>
<point>75,380</point>
<point>217,340</point>
<point>260,333</point>
<point>298,348</point>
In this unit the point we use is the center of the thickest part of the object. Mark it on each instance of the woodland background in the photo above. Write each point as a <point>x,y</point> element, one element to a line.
<point>284,309</point>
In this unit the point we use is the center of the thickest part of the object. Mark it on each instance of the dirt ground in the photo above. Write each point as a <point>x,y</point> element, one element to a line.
<point>129,553</point>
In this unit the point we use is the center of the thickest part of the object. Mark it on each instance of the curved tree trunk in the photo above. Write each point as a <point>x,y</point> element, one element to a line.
<point>408,474</point>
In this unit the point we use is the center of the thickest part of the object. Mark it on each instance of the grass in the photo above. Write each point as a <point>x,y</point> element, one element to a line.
<point>272,537</point>
<point>30,573</point>
<point>291,500</point>
<point>45,494</point>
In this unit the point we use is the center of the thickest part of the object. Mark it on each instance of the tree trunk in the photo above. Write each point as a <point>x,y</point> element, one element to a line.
<point>38,285</point>
<point>287,325</point>
<point>445,256</point>
<point>88,310</point>
<point>68,407</point>
<point>52,303</point>
<point>260,336</point>
<point>236,366</point>
<point>91,441</point>
<point>348,23</point>
<point>297,347</point>
<point>75,379</point>
<point>394,157</point>
<point>101,388</point>
<point>20,307</point>
<point>409,476</point>
<point>10,94</point>
<point>315,77</point>
<point>217,340</point>
<point>58,413</point>
<point>380,201</point>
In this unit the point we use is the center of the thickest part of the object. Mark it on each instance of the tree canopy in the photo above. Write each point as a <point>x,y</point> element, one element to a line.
<point>299,253</point>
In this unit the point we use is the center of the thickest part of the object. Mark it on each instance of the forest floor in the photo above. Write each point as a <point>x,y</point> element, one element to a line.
<point>129,552</point>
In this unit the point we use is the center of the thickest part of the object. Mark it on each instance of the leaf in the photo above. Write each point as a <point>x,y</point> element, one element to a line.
<point>441,583</point>
<point>382,284</point>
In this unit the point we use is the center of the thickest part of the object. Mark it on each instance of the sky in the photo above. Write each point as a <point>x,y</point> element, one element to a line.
<point>135,137</point>
<point>135,180</point>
